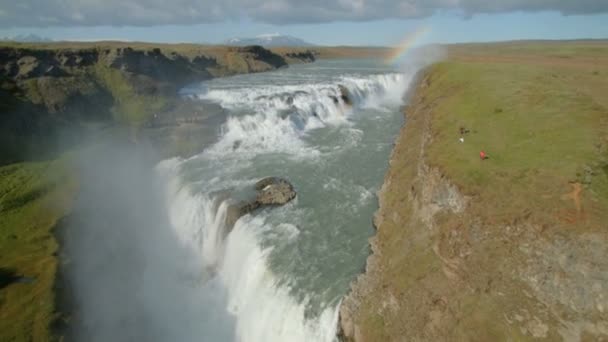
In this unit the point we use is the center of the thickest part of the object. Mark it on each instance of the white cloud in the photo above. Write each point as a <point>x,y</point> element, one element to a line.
<point>28,13</point>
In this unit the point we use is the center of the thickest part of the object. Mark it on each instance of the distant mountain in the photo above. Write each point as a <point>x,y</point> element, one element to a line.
<point>27,38</point>
<point>268,40</point>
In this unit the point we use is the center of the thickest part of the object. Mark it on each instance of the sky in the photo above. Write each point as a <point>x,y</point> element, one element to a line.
<point>323,22</point>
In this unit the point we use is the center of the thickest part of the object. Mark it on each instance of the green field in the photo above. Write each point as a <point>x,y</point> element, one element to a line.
<point>33,198</point>
<point>522,260</point>
<point>542,120</point>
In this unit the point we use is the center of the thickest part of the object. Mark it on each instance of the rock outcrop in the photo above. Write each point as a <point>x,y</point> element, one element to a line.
<point>345,95</point>
<point>307,56</point>
<point>270,191</point>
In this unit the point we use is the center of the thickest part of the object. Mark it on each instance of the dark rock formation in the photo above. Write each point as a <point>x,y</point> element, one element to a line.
<point>256,52</point>
<point>270,191</point>
<point>47,90</point>
<point>175,69</point>
<point>304,56</point>
<point>345,95</point>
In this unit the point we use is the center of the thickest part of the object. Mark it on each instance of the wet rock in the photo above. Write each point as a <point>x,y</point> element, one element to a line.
<point>345,95</point>
<point>233,213</point>
<point>307,56</point>
<point>257,52</point>
<point>270,191</point>
<point>274,191</point>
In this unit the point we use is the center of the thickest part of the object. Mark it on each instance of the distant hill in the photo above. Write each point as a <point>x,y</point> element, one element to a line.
<point>268,40</point>
<point>27,38</point>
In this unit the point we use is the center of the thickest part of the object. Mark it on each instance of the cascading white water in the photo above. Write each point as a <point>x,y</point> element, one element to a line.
<point>378,91</point>
<point>271,125</point>
<point>263,309</point>
<point>284,113</point>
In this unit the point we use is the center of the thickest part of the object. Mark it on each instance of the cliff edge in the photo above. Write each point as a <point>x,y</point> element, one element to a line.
<point>508,247</point>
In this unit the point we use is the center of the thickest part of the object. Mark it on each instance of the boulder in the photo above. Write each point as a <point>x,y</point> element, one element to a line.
<point>270,191</point>
<point>274,191</point>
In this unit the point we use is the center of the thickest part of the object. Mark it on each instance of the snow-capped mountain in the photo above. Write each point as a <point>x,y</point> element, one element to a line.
<point>268,40</point>
<point>27,38</point>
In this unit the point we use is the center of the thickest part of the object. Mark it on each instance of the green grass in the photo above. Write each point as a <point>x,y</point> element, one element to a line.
<point>560,49</point>
<point>542,126</point>
<point>33,197</point>
<point>130,108</point>
<point>543,121</point>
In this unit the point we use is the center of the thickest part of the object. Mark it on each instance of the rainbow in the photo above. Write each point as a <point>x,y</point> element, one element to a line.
<point>401,49</point>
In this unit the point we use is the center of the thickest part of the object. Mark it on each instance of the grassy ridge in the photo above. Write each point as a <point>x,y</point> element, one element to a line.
<point>130,108</point>
<point>192,50</point>
<point>33,197</point>
<point>520,262</point>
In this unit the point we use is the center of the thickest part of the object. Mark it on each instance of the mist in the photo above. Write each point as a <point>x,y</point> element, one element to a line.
<point>423,56</point>
<point>131,277</point>
<point>138,271</point>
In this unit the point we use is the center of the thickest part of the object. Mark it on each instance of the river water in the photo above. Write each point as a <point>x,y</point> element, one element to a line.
<point>163,270</point>
<point>282,272</point>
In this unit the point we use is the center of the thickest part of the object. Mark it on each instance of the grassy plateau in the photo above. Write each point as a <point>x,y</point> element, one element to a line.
<point>33,198</point>
<point>509,248</point>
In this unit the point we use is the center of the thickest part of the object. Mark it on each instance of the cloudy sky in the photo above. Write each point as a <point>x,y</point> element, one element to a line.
<point>354,22</point>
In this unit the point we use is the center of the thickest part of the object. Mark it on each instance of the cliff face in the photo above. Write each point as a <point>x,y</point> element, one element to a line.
<point>511,248</point>
<point>57,89</point>
<point>411,197</point>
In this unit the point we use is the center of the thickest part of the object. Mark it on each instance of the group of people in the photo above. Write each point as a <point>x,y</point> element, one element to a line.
<point>463,131</point>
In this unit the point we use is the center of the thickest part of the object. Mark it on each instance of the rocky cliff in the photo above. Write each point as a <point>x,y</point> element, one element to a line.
<point>62,89</point>
<point>507,248</point>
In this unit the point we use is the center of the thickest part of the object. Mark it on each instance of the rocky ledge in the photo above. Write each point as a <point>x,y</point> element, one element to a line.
<point>64,89</point>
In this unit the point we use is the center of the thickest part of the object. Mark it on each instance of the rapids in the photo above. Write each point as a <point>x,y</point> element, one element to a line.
<point>284,271</point>
<point>150,257</point>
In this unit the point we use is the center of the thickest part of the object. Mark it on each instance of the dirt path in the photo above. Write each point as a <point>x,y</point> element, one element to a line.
<point>575,196</point>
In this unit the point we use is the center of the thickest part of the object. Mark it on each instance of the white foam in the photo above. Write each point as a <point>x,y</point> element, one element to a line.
<point>281,115</point>
<point>263,310</point>
<point>272,119</point>
<point>378,91</point>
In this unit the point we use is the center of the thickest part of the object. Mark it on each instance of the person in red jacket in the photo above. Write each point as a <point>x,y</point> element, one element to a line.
<point>483,155</point>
